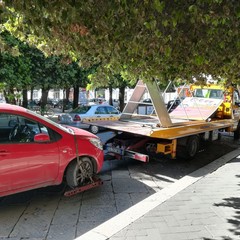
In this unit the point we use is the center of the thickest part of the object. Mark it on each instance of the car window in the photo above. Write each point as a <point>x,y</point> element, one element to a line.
<point>111,110</point>
<point>6,119</point>
<point>101,110</point>
<point>81,109</point>
<point>18,129</point>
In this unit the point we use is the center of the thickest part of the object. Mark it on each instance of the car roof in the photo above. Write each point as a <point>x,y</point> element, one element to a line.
<point>7,106</point>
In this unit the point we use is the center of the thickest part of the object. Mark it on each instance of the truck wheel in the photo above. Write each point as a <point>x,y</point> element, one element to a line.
<point>75,177</point>
<point>191,148</point>
<point>94,129</point>
<point>236,134</point>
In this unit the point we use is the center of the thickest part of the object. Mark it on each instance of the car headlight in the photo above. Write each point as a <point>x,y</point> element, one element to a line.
<point>97,143</point>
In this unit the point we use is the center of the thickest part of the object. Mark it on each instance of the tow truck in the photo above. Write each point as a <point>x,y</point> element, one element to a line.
<point>209,110</point>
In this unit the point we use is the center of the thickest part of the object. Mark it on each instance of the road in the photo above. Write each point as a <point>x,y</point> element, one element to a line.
<point>46,214</point>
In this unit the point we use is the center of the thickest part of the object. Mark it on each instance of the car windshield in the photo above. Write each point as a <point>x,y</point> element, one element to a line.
<point>81,110</point>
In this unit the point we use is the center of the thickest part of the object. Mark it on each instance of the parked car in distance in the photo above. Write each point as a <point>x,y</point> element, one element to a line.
<point>37,152</point>
<point>94,101</point>
<point>52,102</point>
<point>115,103</point>
<point>64,103</point>
<point>78,115</point>
<point>147,100</point>
<point>172,104</point>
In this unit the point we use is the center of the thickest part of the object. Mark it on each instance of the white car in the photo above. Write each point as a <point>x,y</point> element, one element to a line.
<point>76,116</point>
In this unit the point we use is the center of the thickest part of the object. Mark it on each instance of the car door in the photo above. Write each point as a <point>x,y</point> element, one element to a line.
<point>111,111</point>
<point>101,111</point>
<point>24,164</point>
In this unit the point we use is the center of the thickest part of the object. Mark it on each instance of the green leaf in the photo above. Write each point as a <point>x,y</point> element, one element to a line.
<point>159,5</point>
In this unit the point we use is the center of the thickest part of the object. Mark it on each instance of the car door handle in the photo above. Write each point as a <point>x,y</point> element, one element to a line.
<point>3,152</point>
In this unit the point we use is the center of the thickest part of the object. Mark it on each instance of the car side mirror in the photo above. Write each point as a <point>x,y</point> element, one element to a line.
<point>41,138</point>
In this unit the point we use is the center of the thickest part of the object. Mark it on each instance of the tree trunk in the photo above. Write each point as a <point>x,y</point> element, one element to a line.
<point>31,94</point>
<point>121,97</point>
<point>67,93</point>
<point>110,95</point>
<point>75,96</point>
<point>43,101</point>
<point>6,96</point>
<point>25,100</point>
<point>12,96</point>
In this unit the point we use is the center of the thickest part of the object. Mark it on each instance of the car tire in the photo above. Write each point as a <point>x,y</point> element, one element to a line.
<point>94,129</point>
<point>75,177</point>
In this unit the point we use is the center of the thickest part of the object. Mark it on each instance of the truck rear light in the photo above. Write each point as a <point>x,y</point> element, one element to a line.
<point>77,118</point>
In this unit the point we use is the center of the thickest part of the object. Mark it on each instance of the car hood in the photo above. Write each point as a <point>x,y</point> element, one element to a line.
<point>80,132</point>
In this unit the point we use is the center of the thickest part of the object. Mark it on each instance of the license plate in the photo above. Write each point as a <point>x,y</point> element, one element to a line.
<point>115,150</point>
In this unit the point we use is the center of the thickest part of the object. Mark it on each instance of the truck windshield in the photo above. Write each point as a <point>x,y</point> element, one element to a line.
<point>208,93</point>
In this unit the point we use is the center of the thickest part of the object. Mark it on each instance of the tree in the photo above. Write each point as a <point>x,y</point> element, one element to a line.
<point>14,71</point>
<point>144,39</point>
<point>30,69</point>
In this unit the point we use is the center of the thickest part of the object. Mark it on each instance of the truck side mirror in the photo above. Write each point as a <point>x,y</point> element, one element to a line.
<point>237,103</point>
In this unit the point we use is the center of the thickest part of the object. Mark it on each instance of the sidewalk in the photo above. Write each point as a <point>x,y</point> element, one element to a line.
<point>203,205</point>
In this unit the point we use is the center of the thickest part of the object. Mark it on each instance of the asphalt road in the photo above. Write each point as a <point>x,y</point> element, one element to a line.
<point>46,214</point>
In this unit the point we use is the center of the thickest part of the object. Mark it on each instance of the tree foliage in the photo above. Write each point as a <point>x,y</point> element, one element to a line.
<point>140,39</point>
<point>31,69</point>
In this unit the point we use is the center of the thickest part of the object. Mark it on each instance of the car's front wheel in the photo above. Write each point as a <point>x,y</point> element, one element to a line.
<point>79,173</point>
<point>94,129</point>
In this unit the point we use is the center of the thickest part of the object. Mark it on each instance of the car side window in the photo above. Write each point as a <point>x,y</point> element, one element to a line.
<point>18,129</point>
<point>7,122</point>
<point>101,110</point>
<point>111,110</point>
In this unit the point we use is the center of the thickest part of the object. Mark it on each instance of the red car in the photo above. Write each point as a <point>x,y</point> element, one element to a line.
<point>37,152</point>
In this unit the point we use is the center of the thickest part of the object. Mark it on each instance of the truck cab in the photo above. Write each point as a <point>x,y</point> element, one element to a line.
<point>229,109</point>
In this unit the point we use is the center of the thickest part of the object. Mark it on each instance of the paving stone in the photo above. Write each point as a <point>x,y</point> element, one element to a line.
<point>123,201</point>
<point>137,197</point>
<point>7,238</point>
<point>99,213</point>
<point>67,214</point>
<point>128,186</point>
<point>171,221</point>
<point>120,174</point>
<point>61,232</point>
<point>9,216</point>
<point>136,232</point>
<point>35,221</point>
<point>105,187</point>
<point>94,198</point>
<point>85,226</point>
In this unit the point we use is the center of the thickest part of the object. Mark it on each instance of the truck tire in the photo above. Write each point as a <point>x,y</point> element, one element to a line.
<point>236,134</point>
<point>189,150</point>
